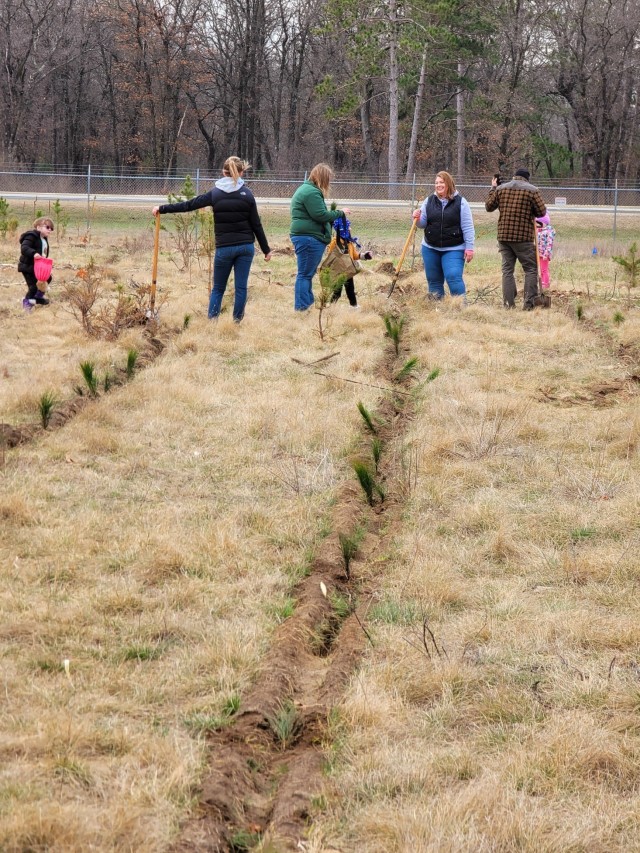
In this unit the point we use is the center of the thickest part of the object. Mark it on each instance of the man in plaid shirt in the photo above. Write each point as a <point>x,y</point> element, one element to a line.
<point>519,203</point>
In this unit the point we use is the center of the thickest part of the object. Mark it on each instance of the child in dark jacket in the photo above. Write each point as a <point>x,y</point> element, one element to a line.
<point>34,244</point>
<point>347,243</point>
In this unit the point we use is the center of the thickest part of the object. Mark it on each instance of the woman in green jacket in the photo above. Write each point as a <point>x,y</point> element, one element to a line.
<point>311,230</point>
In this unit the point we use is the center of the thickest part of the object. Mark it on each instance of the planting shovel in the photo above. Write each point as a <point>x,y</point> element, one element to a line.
<point>154,267</point>
<point>401,261</point>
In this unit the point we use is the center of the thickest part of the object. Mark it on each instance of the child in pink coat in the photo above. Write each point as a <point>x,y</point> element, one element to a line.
<point>545,235</point>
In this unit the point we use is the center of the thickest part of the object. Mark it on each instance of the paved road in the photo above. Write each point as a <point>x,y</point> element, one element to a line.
<point>151,200</point>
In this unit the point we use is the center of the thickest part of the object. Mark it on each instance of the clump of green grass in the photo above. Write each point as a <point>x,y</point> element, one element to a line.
<point>72,771</point>
<point>393,612</point>
<point>284,609</point>
<point>341,604</point>
<point>132,358</point>
<point>141,653</point>
<point>46,405</point>
<point>583,533</point>
<point>242,841</point>
<point>201,723</point>
<point>88,370</point>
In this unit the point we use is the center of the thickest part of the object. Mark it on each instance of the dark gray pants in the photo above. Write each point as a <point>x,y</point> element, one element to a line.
<point>526,254</point>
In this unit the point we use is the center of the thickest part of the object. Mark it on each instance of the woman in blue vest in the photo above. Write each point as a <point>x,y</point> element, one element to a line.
<point>449,236</point>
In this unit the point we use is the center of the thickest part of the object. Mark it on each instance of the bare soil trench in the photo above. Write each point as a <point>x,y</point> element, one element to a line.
<point>13,436</point>
<point>266,767</point>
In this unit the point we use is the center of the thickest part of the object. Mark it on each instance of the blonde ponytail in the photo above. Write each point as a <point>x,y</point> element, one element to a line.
<point>234,167</point>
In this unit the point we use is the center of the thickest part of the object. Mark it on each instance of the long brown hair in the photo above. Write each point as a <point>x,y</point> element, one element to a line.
<point>321,175</point>
<point>233,167</point>
<point>448,182</point>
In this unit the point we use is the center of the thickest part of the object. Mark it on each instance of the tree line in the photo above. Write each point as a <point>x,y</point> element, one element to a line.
<point>377,87</point>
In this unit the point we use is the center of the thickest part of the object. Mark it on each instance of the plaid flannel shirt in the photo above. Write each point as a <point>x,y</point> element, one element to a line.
<point>519,203</point>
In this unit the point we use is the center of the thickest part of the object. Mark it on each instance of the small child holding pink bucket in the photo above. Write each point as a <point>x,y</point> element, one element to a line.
<point>545,234</point>
<point>34,263</point>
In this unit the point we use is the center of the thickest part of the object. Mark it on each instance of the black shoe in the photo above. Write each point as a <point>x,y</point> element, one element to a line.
<point>527,307</point>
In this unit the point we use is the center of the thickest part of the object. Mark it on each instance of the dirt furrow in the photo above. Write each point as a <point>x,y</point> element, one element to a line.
<point>265,768</point>
<point>13,436</point>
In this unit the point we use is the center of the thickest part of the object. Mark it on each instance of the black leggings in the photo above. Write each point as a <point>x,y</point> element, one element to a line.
<point>32,288</point>
<point>350,288</point>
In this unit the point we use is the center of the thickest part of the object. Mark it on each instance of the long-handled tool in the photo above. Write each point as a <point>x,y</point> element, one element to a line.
<point>401,261</point>
<point>154,267</point>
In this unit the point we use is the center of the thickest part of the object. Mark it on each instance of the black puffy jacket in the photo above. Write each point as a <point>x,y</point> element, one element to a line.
<point>235,216</point>
<point>30,245</point>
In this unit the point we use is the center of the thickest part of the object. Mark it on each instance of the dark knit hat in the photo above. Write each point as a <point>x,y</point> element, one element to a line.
<point>523,173</point>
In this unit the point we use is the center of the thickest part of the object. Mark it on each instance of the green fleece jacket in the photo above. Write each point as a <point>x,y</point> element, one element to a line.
<point>309,214</point>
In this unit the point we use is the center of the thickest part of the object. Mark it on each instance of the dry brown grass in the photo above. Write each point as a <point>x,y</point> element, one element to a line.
<point>151,540</point>
<point>519,548</point>
<point>149,543</point>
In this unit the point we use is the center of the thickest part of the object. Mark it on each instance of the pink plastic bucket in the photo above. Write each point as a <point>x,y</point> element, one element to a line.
<point>42,268</point>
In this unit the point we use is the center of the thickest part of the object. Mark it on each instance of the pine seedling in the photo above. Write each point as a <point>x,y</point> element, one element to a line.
<point>394,330</point>
<point>618,318</point>
<point>579,311</point>
<point>4,216</point>
<point>630,263</point>
<point>433,374</point>
<point>348,549</point>
<point>186,321</point>
<point>406,369</point>
<point>376,452</point>
<point>88,370</point>
<point>61,218</point>
<point>285,723</point>
<point>366,480</point>
<point>107,381</point>
<point>132,358</point>
<point>367,417</point>
<point>45,404</point>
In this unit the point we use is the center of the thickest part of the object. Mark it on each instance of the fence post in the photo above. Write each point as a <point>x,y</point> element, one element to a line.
<point>198,181</point>
<point>88,197</point>
<point>615,214</point>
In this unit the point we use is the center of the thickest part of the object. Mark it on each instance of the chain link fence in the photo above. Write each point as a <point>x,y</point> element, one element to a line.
<point>92,204</point>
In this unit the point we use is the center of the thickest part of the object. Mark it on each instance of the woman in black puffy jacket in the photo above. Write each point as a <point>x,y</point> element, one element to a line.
<point>236,227</point>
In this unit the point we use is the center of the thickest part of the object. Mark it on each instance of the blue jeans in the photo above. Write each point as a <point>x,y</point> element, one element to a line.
<point>227,258</point>
<point>439,266</point>
<point>309,252</point>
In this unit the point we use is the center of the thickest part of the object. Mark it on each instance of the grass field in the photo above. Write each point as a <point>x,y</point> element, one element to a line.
<point>156,548</point>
